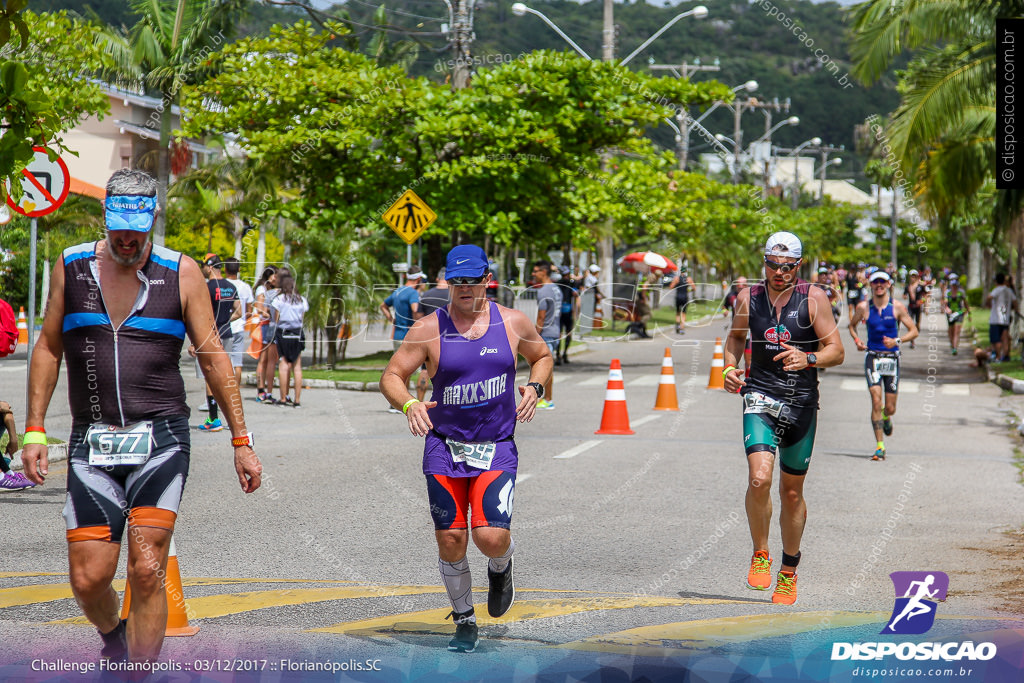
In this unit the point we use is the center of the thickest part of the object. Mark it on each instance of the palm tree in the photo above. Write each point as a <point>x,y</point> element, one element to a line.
<point>164,51</point>
<point>943,132</point>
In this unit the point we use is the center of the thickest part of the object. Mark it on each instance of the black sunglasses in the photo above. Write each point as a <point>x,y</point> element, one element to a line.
<point>783,267</point>
<point>465,280</point>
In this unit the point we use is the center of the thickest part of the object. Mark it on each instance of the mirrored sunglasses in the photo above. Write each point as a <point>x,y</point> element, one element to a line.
<point>783,267</point>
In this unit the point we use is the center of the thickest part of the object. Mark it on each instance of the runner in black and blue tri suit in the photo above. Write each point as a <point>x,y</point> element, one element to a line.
<point>882,361</point>
<point>792,334</point>
<point>470,457</point>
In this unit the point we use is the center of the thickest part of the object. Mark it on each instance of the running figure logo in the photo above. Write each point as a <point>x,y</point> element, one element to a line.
<point>916,597</point>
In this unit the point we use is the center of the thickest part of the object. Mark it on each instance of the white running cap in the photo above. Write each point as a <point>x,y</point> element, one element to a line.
<point>783,244</point>
<point>880,275</point>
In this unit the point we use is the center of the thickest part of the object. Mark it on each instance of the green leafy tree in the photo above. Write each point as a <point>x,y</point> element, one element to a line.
<point>164,51</point>
<point>43,92</point>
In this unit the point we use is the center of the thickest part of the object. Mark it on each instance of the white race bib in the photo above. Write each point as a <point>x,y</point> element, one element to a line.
<point>110,445</point>
<point>478,455</point>
<point>885,366</point>
<point>754,402</point>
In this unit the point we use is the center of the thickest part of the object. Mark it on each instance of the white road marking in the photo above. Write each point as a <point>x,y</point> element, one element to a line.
<point>645,381</point>
<point>520,478</point>
<point>598,381</point>
<point>645,420</point>
<point>956,389</point>
<point>576,450</point>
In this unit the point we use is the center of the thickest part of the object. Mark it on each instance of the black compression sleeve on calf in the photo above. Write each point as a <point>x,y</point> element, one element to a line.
<point>212,405</point>
<point>876,424</point>
<point>790,560</point>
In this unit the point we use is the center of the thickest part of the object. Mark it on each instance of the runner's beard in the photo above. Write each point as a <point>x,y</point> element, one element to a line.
<point>127,261</point>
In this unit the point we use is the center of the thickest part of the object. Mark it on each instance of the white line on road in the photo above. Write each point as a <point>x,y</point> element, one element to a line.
<point>645,381</point>
<point>520,478</point>
<point>576,450</point>
<point>645,420</point>
<point>594,381</point>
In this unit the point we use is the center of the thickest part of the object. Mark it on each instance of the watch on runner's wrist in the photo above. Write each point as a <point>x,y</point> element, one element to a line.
<point>247,440</point>
<point>538,387</point>
<point>812,360</point>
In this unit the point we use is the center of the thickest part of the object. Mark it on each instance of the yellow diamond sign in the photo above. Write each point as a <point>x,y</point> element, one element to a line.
<point>409,216</point>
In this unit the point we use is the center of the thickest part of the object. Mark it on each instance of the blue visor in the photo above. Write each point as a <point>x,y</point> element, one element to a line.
<point>130,212</point>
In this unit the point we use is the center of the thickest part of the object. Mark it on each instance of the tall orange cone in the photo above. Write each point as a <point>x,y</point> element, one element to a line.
<point>615,418</point>
<point>177,617</point>
<point>715,379</point>
<point>667,398</point>
<point>22,327</point>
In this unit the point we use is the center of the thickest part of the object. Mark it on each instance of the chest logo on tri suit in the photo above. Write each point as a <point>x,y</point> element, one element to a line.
<point>777,334</point>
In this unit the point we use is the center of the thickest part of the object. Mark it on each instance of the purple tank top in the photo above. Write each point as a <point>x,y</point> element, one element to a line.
<point>475,390</point>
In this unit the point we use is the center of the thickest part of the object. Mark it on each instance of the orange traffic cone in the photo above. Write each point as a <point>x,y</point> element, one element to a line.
<point>715,379</point>
<point>667,398</point>
<point>255,336</point>
<point>615,418</point>
<point>177,617</point>
<point>22,327</point>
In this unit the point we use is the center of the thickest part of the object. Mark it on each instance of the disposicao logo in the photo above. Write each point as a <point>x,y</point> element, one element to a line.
<point>917,595</point>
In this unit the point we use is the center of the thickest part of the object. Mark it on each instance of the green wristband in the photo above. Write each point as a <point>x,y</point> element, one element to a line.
<point>34,437</point>
<point>728,370</point>
<point>405,408</point>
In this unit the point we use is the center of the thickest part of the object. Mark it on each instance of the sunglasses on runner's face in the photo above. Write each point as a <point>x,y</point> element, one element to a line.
<point>783,267</point>
<point>465,280</point>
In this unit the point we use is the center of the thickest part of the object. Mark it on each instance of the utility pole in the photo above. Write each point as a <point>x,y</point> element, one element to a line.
<point>605,244</point>
<point>682,118</point>
<point>462,39</point>
<point>825,150</point>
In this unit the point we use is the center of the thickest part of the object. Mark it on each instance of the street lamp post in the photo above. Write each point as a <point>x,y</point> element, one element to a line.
<point>605,247</point>
<point>813,142</point>
<point>821,175</point>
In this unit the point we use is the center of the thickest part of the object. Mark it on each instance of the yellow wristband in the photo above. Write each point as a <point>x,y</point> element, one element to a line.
<point>728,370</point>
<point>405,408</point>
<point>34,437</point>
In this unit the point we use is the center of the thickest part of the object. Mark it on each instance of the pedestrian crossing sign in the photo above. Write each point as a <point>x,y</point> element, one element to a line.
<point>409,217</point>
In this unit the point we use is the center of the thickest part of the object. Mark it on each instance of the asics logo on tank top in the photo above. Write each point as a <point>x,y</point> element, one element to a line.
<point>777,334</point>
<point>474,392</point>
<point>484,351</point>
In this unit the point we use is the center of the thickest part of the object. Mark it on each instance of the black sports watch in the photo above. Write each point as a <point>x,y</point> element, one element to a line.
<point>538,387</point>
<point>812,360</point>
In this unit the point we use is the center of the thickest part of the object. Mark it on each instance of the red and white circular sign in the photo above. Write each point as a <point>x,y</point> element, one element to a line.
<point>45,185</point>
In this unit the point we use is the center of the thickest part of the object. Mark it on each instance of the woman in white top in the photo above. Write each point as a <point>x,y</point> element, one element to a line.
<point>289,309</point>
<point>265,293</point>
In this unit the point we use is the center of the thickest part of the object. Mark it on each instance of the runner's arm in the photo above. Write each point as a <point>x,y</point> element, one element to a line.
<point>394,381</point>
<point>530,346</point>
<point>736,341</point>
<point>43,374</point>
<point>197,311</point>
<point>830,351</point>
<point>903,316</point>
<point>858,314</point>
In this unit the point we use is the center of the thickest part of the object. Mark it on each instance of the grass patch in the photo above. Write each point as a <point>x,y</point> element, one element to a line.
<point>1018,462</point>
<point>1010,369</point>
<point>368,375</point>
<point>374,360</point>
<point>663,316</point>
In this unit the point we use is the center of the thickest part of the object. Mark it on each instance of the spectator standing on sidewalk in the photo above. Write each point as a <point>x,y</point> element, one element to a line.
<point>266,291</point>
<point>549,307</point>
<point>289,310</point>
<point>245,300</point>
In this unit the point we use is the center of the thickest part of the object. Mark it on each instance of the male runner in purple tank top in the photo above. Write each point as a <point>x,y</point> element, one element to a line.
<point>470,457</point>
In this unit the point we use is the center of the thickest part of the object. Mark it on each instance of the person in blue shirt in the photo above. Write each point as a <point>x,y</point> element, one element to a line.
<point>406,304</point>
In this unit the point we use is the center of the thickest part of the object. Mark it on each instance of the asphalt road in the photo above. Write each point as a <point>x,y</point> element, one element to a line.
<point>629,549</point>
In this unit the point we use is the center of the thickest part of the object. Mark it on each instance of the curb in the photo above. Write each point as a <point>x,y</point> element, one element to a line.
<point>55,452</point>
<point>1007,383</point>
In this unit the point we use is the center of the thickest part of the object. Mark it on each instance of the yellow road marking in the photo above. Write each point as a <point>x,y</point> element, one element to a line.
<point>433,621</point>
<point>212,606</point>
<point>12,575</point>
<point>708,633</point>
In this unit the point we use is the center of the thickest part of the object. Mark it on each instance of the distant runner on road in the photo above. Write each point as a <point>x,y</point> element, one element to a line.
<point>883,314</point>
<point>470,457</point>
<point>792,333</point>
<point>118,312</point>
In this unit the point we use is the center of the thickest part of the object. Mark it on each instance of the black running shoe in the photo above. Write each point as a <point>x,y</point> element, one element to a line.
<point>887,426</point>
<point>467,635</point>
<point>115,643</point>
<point>501,591</point>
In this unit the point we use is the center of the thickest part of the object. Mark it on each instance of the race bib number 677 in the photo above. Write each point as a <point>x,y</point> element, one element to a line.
<point>110,445</point>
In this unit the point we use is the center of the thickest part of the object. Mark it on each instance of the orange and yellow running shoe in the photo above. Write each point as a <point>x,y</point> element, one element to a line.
<point>785,589</point>
<point>760,575</point>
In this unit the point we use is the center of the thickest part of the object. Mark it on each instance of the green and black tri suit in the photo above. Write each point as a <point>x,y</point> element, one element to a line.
<point>780,408</point>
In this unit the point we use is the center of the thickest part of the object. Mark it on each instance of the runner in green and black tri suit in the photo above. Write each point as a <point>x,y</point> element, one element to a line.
<point>793,333</point>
